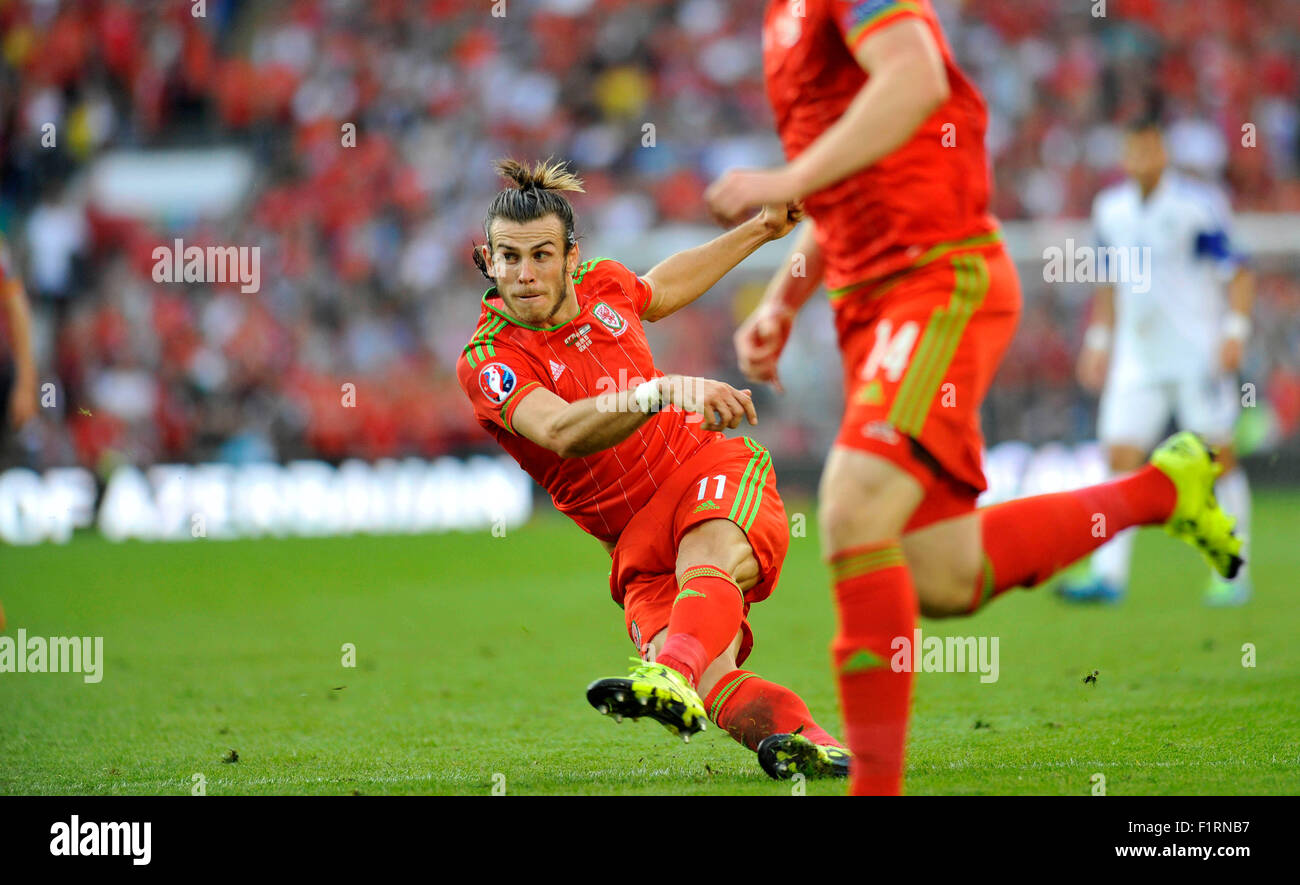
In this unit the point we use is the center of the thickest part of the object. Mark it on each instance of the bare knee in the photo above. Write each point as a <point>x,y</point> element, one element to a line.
<point>946,561</point>
<point>719,543</point>
<point>945,599</point>
<point>863,499</point>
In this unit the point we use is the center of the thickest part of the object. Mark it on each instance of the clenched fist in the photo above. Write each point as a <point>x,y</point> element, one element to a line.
<point>759,342</point>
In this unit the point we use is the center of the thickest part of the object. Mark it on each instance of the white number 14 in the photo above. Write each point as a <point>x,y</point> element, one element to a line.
<point>892,351</point>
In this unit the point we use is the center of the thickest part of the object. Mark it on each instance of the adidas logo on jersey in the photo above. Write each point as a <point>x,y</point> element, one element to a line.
<point>870,395</point>
<point>707,505</point>
<point>557,369</point>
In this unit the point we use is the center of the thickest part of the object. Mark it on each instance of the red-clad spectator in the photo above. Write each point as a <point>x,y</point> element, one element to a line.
<point>373,125</point>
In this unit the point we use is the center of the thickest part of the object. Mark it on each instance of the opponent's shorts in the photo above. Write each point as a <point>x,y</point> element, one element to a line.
<point>920,351</point>
<point>731,479</point>
<point>1134,412</point>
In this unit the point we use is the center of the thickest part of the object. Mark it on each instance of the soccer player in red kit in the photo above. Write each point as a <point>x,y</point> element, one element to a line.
<point>17,374</point>
<point>559,371</point>
<point>884,138</point>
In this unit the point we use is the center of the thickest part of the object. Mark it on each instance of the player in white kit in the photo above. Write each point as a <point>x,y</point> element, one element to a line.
<point>1164,340</point>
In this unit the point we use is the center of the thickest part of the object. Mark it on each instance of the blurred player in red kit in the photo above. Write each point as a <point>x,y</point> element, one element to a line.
<point>884,138</point>
<point>17,364</point>
<point>560,373</point>
<point>17,371</point>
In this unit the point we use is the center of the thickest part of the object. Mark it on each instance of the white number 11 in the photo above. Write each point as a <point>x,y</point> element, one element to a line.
<point>722,483</point>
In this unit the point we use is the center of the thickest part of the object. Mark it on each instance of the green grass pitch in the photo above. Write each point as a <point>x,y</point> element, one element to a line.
<point>473,653</point>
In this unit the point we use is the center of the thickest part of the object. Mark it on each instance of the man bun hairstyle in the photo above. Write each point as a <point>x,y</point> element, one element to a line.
<point>536,192</point>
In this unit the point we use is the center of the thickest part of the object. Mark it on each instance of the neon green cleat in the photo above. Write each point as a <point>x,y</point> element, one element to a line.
<point>783,756</point>
<point>1197,518</point>
<point>651,690</point>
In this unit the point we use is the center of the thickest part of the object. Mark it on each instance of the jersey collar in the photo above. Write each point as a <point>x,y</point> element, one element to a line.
<point>1166,183</point>
<point>508,318</point>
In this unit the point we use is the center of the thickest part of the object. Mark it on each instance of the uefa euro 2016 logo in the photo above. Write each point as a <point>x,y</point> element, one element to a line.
<point>497,381</point>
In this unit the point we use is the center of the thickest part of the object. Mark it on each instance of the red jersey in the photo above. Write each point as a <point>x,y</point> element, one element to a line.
<point>602,351</point>
<point>934,189</point>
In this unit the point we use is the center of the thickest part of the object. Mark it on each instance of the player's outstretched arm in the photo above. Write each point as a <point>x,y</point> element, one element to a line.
<point>762,336</point>
<point>577,429</point>
<point>581,428</point>
<point>681,278</point>
<point>1241,301</point>
<point>1094,359</point>
<point>908,82</point>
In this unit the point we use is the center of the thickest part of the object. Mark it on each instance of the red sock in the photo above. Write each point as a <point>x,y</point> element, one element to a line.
<point>876,603</point>
<point>1029,540</point>
<point>706,617</point>
<point>750,708</point>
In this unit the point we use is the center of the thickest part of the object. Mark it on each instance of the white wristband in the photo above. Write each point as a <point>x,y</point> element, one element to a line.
<point>1096,338</point>
<point>1236,326</point>
<point>647,396</point>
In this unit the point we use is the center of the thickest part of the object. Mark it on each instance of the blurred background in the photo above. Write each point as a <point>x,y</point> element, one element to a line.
<point>233,128</point>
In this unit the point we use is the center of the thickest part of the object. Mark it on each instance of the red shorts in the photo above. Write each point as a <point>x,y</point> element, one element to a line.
<point>731,479</point>
<point>920,350</point>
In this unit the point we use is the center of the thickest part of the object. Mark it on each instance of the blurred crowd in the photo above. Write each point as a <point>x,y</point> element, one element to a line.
<point>366,277</point>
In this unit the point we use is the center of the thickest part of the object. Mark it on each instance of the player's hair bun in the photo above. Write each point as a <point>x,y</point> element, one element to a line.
<point>547,175</point>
